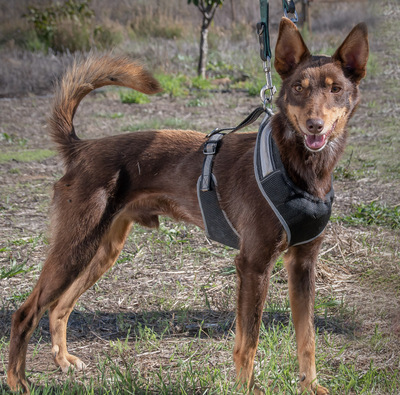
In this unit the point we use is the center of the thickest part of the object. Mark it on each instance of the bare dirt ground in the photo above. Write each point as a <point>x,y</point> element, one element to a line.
<point>174,280</point>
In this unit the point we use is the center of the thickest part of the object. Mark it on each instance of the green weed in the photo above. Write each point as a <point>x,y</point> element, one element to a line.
<point>174,85</point>
<point>14,270</point>
<point>200,83</point>
<point>131,96</point>
<point>374,214</point>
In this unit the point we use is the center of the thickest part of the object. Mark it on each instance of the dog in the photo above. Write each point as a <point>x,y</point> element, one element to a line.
<point>111,182</point>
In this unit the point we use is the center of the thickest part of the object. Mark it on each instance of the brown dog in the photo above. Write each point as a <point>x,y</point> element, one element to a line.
<point>110,183</point>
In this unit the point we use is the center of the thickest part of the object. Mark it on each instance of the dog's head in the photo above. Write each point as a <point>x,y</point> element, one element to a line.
<point>319,93</point>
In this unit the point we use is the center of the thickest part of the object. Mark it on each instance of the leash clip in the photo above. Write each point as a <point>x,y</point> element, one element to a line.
<point>289,8</point>
<point>268,86</point>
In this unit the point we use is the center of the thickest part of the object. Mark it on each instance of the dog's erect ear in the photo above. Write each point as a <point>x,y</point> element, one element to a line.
<point>353,53</point>
<point>290,49</point>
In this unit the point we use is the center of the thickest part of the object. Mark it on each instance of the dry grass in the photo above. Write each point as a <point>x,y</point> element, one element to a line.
<point>165,38</point>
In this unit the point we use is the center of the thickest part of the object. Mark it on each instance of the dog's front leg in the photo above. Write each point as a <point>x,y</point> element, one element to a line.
<point>253,275</point>
<point>300,262</point>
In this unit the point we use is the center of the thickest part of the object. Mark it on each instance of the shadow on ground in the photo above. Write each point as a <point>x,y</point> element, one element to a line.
<point>186,323</point>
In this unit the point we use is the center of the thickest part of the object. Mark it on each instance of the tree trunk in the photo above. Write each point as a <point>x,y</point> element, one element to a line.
<point>201,70</point>
<point>208,15</point>
<point>233,11</point>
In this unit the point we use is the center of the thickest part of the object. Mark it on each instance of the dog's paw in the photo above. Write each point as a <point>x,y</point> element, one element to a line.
<point>314,389</point>
<point>18,385</point>
<point>320,390</point>
<point>68,362</point>
<point>257,391</point>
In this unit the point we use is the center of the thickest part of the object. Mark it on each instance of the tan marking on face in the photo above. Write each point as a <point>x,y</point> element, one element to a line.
<point>298,117</point>
<point>305,83</point>
<point>331,115</point>
<point>294,114</point>
<point>328,81</point>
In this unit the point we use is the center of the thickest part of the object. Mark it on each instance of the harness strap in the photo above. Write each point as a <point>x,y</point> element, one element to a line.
<point>209,150</point>
<point>216,222</point>
<point>252,117</point>
<point>214,139</point>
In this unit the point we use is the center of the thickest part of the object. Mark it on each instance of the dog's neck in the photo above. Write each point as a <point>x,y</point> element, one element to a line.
<point>310,171</point>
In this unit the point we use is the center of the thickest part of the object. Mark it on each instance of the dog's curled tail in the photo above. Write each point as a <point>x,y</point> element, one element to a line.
<point>81,78</point>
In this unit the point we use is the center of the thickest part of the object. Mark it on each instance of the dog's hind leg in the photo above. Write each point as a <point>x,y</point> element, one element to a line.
<point>107,253</point>
<point>300,262</point>
<point>253,273</point>
<point>67,272</point>
<point>54,280</point>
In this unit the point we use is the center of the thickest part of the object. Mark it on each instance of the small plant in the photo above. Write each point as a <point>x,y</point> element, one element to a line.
<point>375,214</point>
<point>174,85</point>
<point>14,270</point>
<point>201,83</point>
<point>130,96</point>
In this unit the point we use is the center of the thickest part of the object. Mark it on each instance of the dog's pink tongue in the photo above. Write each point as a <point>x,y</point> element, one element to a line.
<point>315,142</point>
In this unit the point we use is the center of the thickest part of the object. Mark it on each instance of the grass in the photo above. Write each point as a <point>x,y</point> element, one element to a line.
<point>157,123</point>
<point>26,155</point>
<point>374,214</point>
<point>199,365</point>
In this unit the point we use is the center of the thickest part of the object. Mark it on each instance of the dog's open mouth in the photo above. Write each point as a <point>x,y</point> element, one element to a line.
<point>317,142</point>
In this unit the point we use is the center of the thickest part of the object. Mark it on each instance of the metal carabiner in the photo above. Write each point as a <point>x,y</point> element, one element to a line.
<point>269,85</point>
<point>289,8</point>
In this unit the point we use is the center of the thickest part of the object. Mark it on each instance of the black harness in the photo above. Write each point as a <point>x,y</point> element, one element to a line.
<point>303,216</point>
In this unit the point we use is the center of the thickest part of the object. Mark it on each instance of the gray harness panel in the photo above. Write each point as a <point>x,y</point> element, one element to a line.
<point>303,216</point>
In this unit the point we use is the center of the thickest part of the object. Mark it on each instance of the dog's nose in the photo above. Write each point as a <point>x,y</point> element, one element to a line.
<point>315,125</point>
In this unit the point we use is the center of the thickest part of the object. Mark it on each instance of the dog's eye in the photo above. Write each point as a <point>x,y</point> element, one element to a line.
<point>298,88</point>
<point>336,89</point>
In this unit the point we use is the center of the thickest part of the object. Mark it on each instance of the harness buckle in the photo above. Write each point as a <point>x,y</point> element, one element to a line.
<point>210,147</point>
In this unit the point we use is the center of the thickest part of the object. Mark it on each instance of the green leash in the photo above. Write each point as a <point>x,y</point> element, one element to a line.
<point>268,90</point>
<point>263,32</point>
